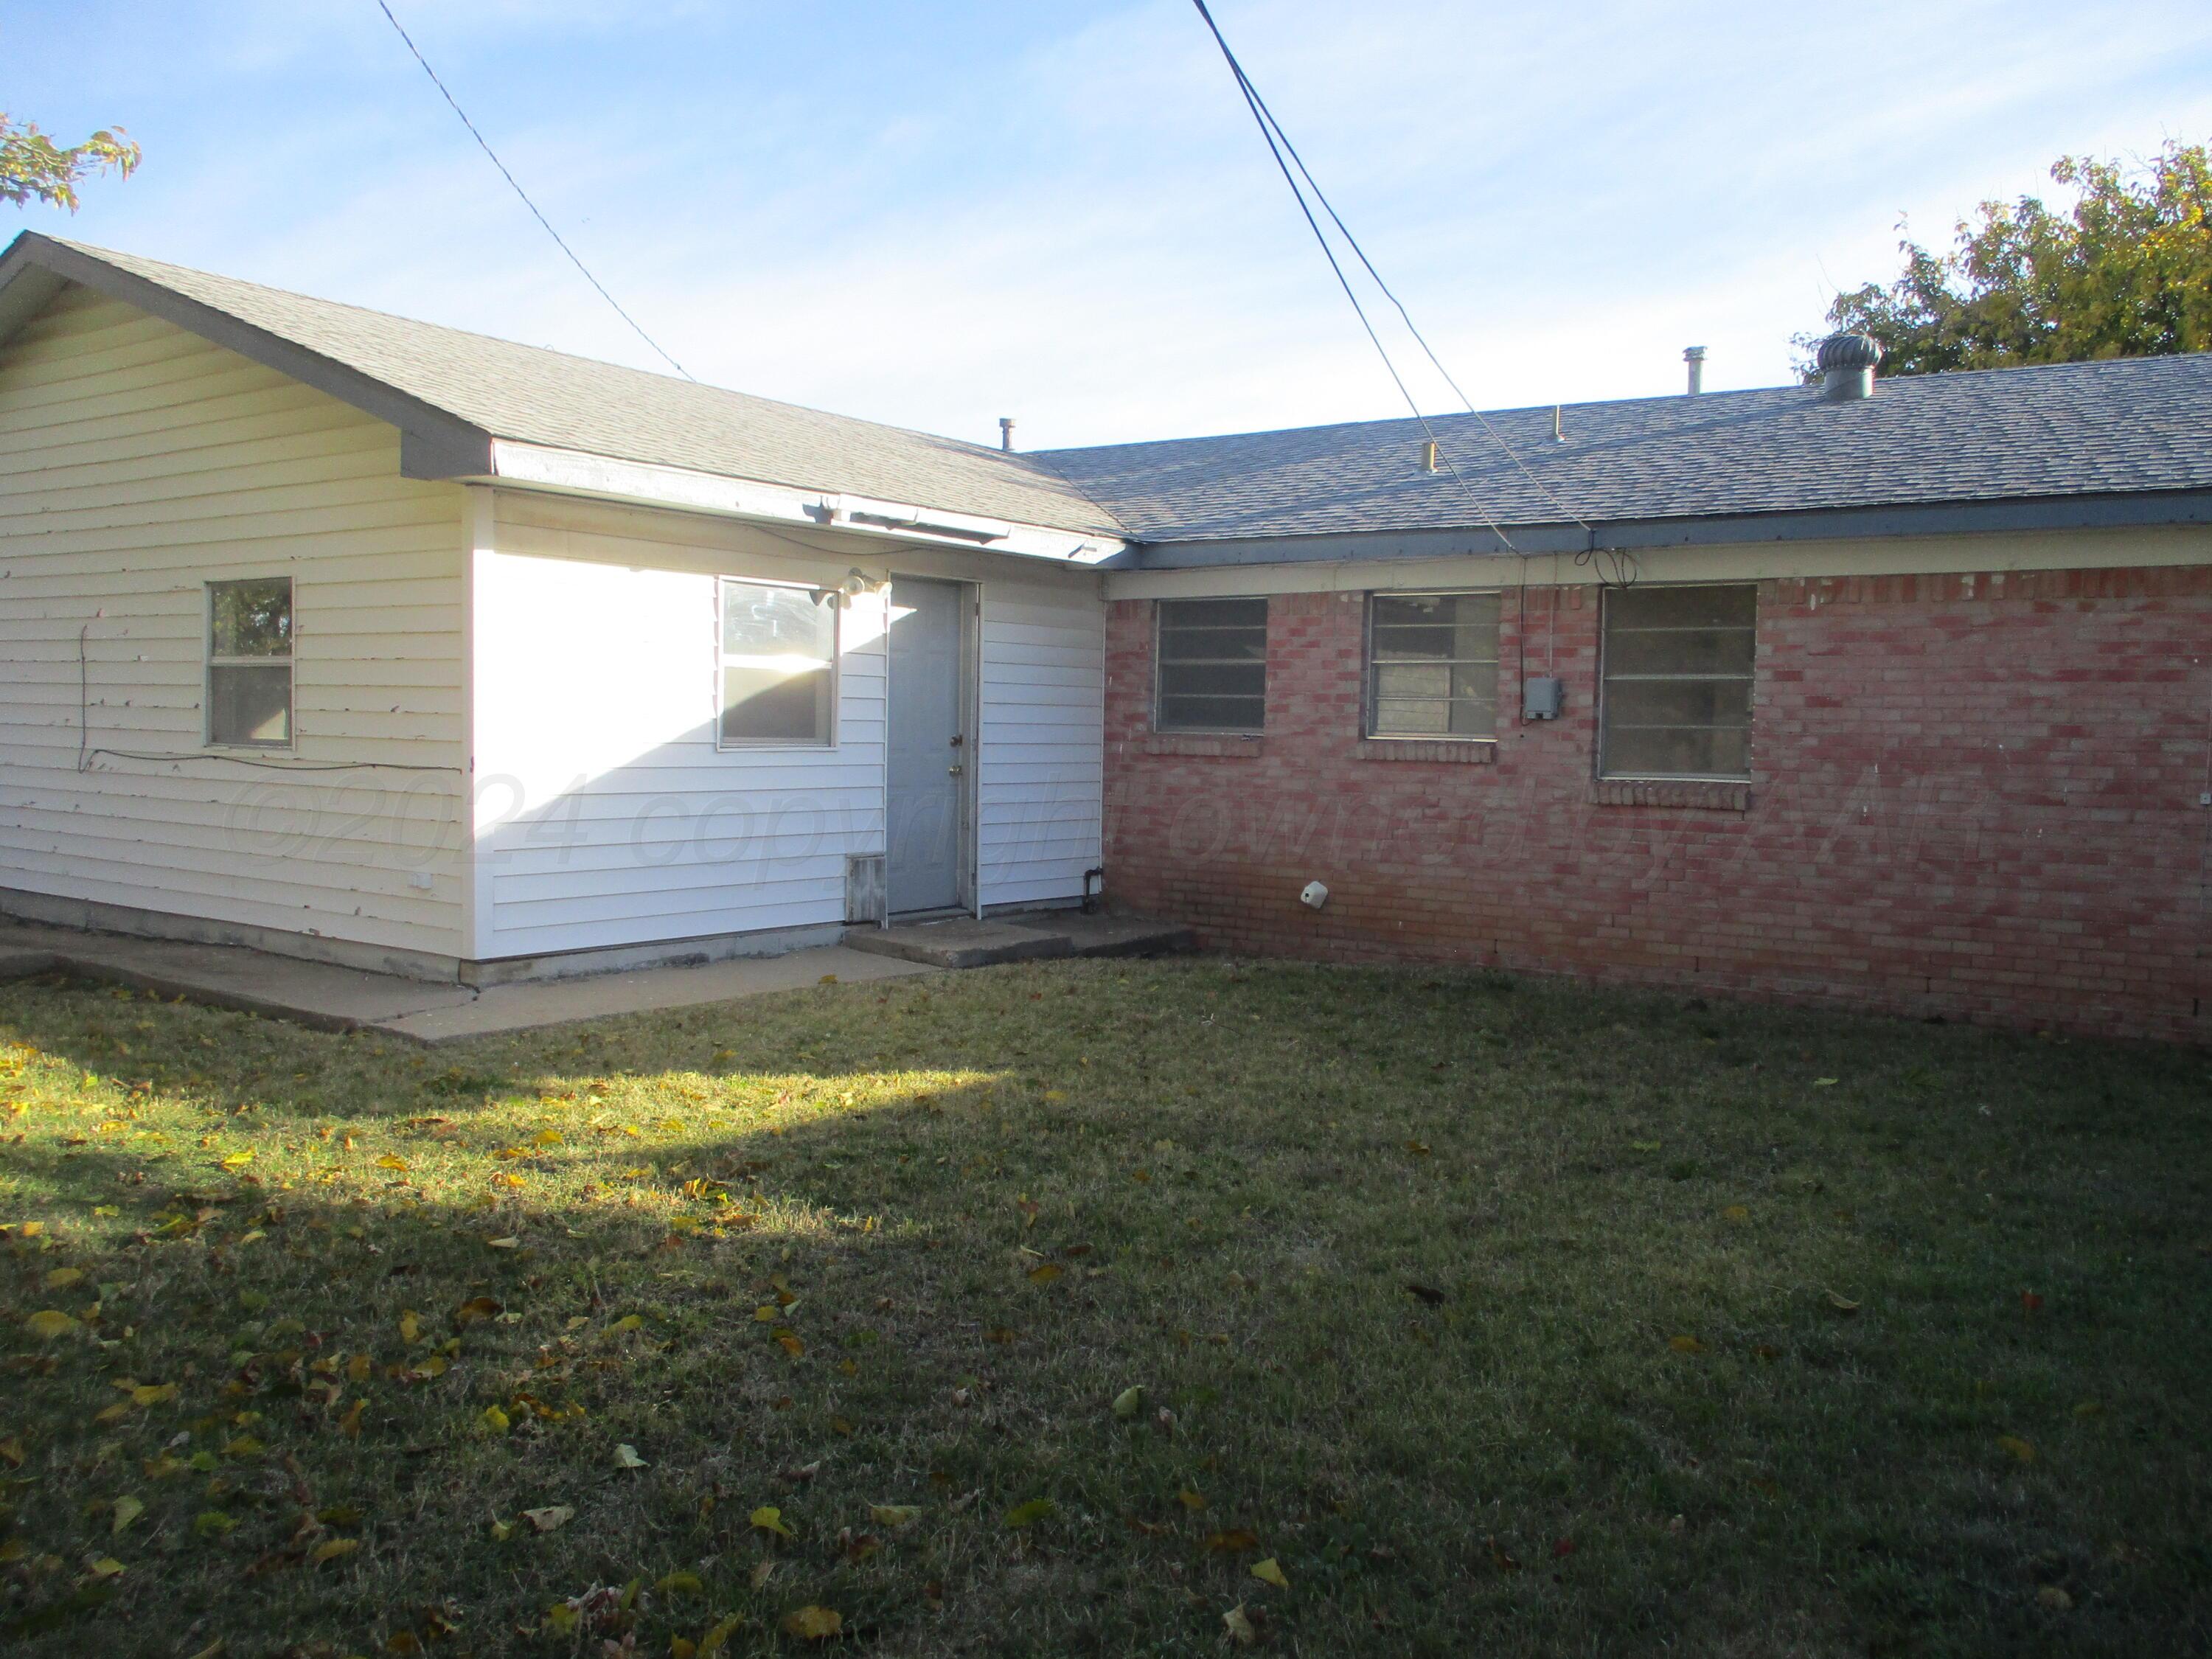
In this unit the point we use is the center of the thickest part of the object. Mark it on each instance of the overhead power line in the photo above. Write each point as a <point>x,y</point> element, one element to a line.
<point>484,144</point>
<point>1280,145</point>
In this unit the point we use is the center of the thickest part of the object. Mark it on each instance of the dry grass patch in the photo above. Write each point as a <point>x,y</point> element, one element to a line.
<point>1102,1308</point>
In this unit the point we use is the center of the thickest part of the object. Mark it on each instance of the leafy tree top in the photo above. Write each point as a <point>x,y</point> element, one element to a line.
<point>2125,271</point>
<point>34,168</point>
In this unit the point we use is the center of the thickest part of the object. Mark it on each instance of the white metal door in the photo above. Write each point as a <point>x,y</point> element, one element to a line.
<point>932,750</point>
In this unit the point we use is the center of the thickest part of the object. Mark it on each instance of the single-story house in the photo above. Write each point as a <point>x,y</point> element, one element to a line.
<point>379,642</point>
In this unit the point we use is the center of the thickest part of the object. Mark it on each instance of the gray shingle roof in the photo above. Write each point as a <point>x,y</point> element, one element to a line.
<point>2124,426</point>
<point>532,395</point>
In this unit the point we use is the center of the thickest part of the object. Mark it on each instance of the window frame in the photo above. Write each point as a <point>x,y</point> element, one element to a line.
<point>835,605</point>
<point>210,662</point>
<point>1159,667</point>
<point>1368,697</point>
<point>1604,773</point>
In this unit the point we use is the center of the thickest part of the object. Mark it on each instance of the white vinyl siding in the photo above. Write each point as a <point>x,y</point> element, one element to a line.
<point>608,814</point>
<point>1043,743</point>
<point>139,463</point>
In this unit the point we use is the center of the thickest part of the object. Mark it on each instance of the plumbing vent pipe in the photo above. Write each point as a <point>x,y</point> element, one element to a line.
<point>1006,432</point>
<point>1695,356</point>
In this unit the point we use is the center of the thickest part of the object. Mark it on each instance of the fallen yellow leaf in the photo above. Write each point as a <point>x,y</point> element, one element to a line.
<point>894,1515</point>
<point>62,1278</point>
<point>552,1518</point>
<point>769,1518</point>
<point>48,1323</point>
<point>1239,1628</point>
<point>390,1162</point>
<point>106,1567</point>
<point>1044,1272</point>
<point>813,1624</point>
<point>333,1549</point>
<point>127,1509</point>
<point>1267,1572</point>
<point>494,1420</point>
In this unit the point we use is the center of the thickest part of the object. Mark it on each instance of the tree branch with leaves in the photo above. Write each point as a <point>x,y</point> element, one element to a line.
<point>34,168</point>
<point>2125,271</point>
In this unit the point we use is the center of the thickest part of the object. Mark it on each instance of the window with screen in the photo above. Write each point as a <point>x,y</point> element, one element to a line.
<point>1676,699</point>
<point>249,663</point>
<point>779,668</point>
<point>1213,665</point>
<point>1432,665</point>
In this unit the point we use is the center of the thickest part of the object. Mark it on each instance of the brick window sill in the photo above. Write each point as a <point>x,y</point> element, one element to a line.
<point>1714,794</point>
<point>1463,751</point>
<point>1216,745</point>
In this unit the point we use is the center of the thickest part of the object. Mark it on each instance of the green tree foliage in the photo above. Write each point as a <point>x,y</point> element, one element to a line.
<point>34,168</point>
<point>2125,271</point>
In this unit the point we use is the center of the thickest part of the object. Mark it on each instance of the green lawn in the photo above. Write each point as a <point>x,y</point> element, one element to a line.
<point>1103,1307</point>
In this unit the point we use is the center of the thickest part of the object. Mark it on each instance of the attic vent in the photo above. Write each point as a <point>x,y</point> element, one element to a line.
<point>1846,363</point>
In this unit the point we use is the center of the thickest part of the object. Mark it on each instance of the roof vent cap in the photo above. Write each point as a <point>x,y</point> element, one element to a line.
<point>1846,363</point>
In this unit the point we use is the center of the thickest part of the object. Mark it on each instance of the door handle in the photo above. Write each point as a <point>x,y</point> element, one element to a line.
<point>952,771</point>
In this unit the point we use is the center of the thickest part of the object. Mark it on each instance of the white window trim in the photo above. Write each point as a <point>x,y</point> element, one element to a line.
<point>1159,666</point>
<point>210,662</point>
<point>1599,768</point>
<point>1367,733</point>
<point>836,603</point>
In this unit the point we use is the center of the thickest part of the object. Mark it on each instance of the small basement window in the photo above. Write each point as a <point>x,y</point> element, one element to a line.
<point>1213,665</point>
<point>1432,665</point>
<point>778,667</point>
<point>1677,696</point>
<point>249,664</point>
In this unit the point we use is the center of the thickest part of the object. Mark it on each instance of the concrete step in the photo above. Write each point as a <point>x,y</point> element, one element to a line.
<point>1028,936</point>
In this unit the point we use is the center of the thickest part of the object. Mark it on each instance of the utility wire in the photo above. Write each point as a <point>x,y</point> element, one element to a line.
<point>1269,132</point>
<point>483,144</point>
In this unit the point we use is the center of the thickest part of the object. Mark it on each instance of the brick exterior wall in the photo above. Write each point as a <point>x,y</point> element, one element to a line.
<point>1971,795</point>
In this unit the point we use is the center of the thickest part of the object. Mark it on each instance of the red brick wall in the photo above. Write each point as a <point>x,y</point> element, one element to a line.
<point>1974,796</point>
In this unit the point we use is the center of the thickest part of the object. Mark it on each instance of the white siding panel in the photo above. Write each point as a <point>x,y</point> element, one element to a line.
<point>137,462</point>
<point>606,816</point>
<point>1042,748</point>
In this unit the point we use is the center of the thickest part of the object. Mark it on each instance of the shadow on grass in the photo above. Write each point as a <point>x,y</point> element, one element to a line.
<point>1431,1275</point>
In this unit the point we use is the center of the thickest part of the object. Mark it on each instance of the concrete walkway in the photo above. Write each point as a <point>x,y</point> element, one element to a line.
<point>349,998</point>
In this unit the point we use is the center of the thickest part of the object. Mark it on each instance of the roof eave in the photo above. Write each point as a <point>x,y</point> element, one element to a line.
<point>2007,515</point>
<point>434,443</point>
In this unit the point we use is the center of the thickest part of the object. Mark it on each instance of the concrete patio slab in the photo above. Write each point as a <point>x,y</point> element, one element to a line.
<point>1027,936</point>
<point>349,998</point>
<point>505,1008</point>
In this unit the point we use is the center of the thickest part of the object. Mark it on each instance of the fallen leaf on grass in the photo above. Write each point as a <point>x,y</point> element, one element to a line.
<point>334,1549</point>
<point>894,1515</point>
<point>1028,1514</point>
<point>679,1584</point>
<point>476,1308</point>
<point>1417,1148</point>
<point>62,1278</point>
<point>349,1425</point>
<point>2054,1598</point>
<point>127,1509</point>
<point>719,1637</point>
<point>1239,1628</point>
<point>1841,1303</point>
<point>153,1394</point>
<point>1130,1402</point>
<point>769,1518</point>
<point>411,1327</point>
<point>508,1244</point>
<point>2014,1447</point>
<point>238,1160</point>
<point>1267,1572</point>
<point>494,1420</point>
<point>1234,1541</point>
<point>626,1457</point>
<point>552,1518</point>
<point>212,1523</point>
<point>789,1341</point>
<point>50,1323</point>
<point>389,1162</point>
<point>813,1624</point>
<point>1736,1213</point>
<point>106,1567</point>
<point>1190,1500</point>
<point>1044,1272</point>
<point>1826,1082</point>
<point>1685,1345</point>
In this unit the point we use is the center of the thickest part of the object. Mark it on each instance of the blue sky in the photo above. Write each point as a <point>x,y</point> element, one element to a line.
<point>937,213</point>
